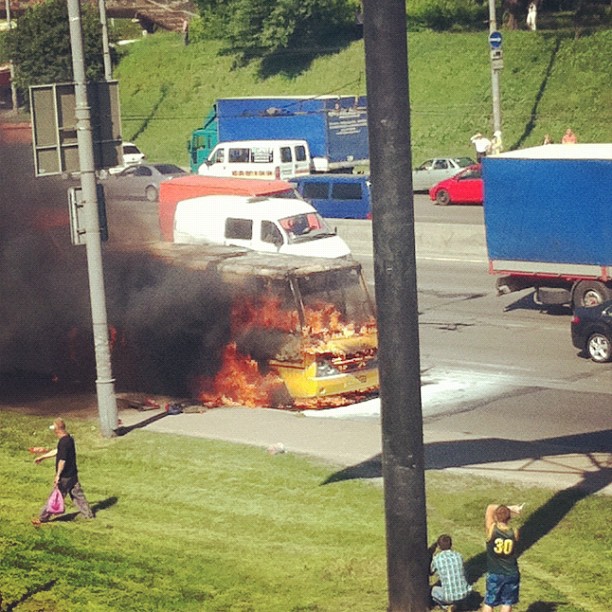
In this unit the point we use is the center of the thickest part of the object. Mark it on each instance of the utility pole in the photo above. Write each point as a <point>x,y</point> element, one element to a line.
<point>108,68</point>
<point>107,403</point>
<point>14,100</point>
<point>403,463</point>
<point>496,66</point>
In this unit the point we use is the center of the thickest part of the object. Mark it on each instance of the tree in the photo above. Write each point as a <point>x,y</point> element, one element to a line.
<point>40,45</point>
<point>262,28</point>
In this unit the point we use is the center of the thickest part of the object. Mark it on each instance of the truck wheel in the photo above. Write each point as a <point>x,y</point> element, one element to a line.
<point>151,194</point>
<point>599,347</point>
<point>590,293</point>
<point>443,197</point>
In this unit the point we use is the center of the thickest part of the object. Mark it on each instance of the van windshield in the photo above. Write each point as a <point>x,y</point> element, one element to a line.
<point>307,226</point>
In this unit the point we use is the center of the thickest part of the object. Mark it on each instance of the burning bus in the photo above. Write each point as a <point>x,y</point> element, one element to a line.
<point>297,332</point>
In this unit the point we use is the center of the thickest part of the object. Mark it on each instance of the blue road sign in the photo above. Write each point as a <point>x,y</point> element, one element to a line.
<point>495,40</point>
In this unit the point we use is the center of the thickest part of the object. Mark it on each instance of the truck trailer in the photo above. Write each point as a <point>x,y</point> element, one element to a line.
<point>548,222</point>
<point>335,127</point>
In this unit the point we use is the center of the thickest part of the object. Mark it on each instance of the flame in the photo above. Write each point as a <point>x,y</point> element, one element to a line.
<point>239,380</point>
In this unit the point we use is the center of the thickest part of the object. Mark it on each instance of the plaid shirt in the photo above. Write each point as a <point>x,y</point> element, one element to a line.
<point>448,564</point>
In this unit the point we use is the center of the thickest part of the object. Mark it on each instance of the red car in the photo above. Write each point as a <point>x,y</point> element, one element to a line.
<point>463,188</point>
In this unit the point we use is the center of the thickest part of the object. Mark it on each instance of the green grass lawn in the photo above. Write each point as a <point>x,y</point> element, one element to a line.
<point>189,524</point>
<point>551,80</point>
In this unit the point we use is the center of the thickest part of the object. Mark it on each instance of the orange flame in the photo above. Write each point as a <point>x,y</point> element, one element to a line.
<point>239,380</point>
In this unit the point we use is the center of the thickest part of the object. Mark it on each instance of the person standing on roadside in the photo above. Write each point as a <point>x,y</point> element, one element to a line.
<point>569,137</point>
<point>66,473</point>
<point>503,576</point>
<point>482,145</point>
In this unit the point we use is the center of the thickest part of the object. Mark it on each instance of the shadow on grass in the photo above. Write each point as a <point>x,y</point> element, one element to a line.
<point>8,607</point>
<point>164,91</point>
<point>544,606</point>
<point>443,455</point>
<point>531,124</point>
<point>103,504</point>
<point>291,62</point>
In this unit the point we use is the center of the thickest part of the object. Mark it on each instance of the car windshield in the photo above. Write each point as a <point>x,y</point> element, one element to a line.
<point>169,169</point>
<point>131,150</point>
<point>463,162</point>
<point>306,226</point>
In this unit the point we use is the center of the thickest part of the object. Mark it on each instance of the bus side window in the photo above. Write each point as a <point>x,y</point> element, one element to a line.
<point>271,233</point>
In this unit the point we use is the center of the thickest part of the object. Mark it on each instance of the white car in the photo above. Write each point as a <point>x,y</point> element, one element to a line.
<point>131,155</point>
<point>432,171</point>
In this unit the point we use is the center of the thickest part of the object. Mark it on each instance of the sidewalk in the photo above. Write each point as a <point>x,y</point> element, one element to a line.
<point>353,443</point>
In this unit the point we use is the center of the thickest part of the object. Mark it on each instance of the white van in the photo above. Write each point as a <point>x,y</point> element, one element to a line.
<point>258,159</point>
<point>274,225</point>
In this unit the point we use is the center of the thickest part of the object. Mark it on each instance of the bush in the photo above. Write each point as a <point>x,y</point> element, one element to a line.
<point>447,15</point>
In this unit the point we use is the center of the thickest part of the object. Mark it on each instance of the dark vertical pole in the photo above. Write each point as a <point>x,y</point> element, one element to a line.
<point>386,52</point>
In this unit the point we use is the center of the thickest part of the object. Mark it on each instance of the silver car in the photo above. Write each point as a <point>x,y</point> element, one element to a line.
<point>139,181</point>
<point>432,171</point>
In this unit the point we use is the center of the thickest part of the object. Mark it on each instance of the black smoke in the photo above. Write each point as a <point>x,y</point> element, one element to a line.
<point>170,324</point>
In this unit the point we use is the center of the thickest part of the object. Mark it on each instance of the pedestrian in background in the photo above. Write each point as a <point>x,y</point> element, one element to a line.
<point>569,137</point>
<point>532,16</point>
<point>185,30</point>
<point>496,143</point>
<point>448,565</point>
<point>482,145</point>
<point>66,473</point>
<point>503,576</point>
<point>547,139</point>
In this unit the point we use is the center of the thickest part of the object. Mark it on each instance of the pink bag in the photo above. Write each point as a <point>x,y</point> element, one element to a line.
<point>55,503</point>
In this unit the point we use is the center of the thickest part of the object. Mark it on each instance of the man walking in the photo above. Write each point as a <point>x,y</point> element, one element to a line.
<point>66,473</point>
<point>448,565</point>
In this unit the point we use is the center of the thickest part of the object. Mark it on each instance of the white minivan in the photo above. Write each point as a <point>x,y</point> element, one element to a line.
<point>258,159</point>
<point>274,225</point>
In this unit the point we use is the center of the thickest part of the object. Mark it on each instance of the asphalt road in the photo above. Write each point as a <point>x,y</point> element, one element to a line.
<point>489,346</point>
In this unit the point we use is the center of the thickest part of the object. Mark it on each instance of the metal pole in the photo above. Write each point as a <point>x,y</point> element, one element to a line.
<point>14,100</point>
<point>494,74</point>
<point>107,404</point>
<point>108,68</point>
<point>403,464</point>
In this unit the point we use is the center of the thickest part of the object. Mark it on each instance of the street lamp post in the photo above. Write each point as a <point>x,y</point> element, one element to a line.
<point>14,101</point>
<point>496,66</point>
<point>107,403</point>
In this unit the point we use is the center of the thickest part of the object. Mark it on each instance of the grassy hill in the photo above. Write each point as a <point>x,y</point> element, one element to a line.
<point>550,81</point>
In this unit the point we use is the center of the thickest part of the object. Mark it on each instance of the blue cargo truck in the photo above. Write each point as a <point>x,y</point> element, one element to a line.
<point>335,127</point>
<point>548,220</point>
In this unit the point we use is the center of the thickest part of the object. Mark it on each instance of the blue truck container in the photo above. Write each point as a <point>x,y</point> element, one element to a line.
<point>335,127</point>
<point>548,221</point>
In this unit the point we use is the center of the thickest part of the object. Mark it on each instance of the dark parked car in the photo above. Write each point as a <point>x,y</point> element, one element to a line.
<point>592,331</point>
<point>139,181</point>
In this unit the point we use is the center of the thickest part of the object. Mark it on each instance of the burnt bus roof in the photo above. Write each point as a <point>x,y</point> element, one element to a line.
<point>239,261</point>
